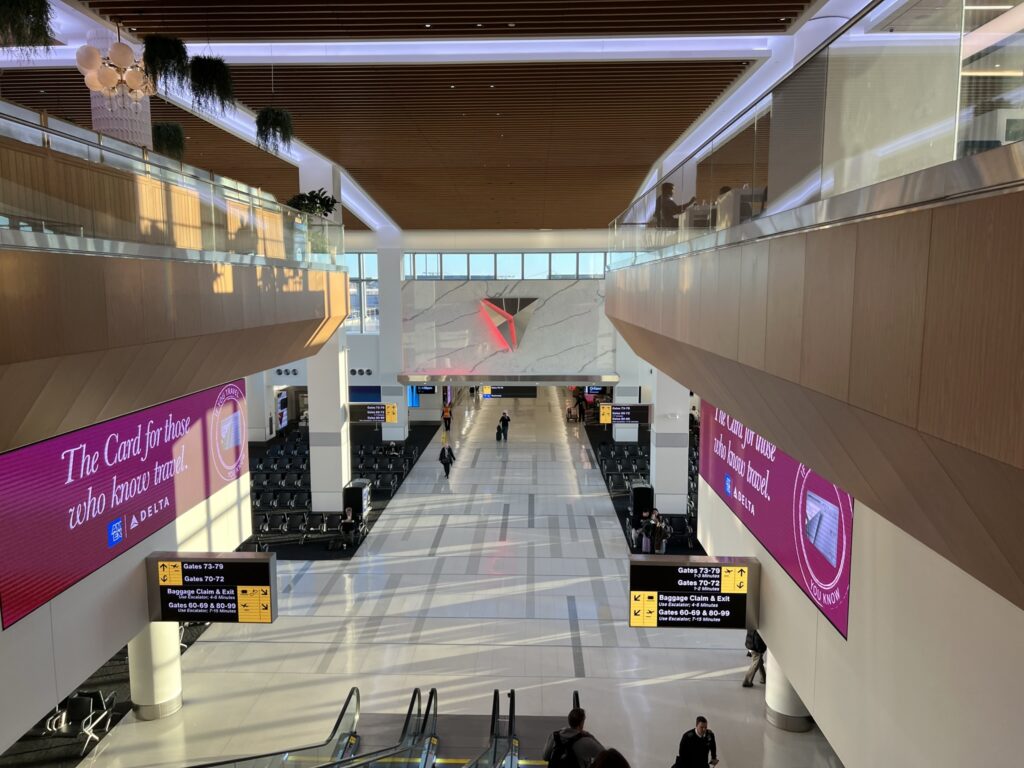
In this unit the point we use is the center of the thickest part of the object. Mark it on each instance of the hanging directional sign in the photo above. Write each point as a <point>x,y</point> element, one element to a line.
<point>717,592</point>
<point>232,587</point>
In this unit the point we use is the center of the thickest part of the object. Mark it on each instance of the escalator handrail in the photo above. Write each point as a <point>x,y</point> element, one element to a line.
<point>576,700</point>
<point>416,701</point>
<point>495,704</point>
<point>429,715</point>
<point>352,694</point>
<point>512,715</point>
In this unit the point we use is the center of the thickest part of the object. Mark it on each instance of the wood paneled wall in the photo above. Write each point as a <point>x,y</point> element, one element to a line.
<point>84,338</point>
<point>887,353</point>
<point>108,203</point>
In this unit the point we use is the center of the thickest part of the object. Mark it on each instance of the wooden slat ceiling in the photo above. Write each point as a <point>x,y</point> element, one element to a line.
<point>548,145</point>
<point>218,20</point>
<point>62,93</point>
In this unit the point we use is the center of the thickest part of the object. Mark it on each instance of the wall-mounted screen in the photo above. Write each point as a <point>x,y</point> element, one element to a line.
<point>591,390</point>
<point>282,408</point>
<point>507,391</point>
<point>624,413</point>
<point>426,389</point>
<point>73,503</point>
<point>373,413</point>
<point>804,521</point>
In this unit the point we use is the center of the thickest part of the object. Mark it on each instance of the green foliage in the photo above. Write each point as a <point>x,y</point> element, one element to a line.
<point>317,202</point>
<point>165,57</point>
<point>169,139</point>
<point>25,24</point>
<point>273,128</point>
<point>212,86</point>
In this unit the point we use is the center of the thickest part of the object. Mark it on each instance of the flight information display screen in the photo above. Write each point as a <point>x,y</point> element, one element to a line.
<point>506,392</point>
<point>374,413</point>
<point>624,413</point>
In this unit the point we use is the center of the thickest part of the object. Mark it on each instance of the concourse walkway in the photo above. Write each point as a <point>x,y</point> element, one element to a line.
<point>512,574</point>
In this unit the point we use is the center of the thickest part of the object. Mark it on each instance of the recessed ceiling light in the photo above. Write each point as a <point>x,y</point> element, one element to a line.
<point>493,86</point>
<point>451,86</point>
<point>427,26</point>
<point>479,25</point>
<point>133,29</point>
<point>511,24</point>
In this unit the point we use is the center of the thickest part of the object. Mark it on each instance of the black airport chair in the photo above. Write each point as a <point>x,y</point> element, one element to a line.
<point>276,522</point>
<point>296,522</point>
<point>300,500</point>
<point>290,480</point>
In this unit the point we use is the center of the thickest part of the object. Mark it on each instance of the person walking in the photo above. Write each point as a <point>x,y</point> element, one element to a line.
<point>696,745</point>
<point>447,458</point>
<point>446,416</point>
<point>505,419</point>
<point>757,648</point>
<point>572,747</point>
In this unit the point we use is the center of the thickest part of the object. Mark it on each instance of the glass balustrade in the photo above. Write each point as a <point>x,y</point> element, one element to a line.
<point>902,89</point>
<point>63,187</point>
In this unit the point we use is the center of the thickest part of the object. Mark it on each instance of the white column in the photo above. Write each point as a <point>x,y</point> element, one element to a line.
<point>330,454</point>
<point>670,441</point>
<point>260,407</point>
<point>154,670</point>
<point>783,706</point>
<point>389,265</point>
<point>627,366</point>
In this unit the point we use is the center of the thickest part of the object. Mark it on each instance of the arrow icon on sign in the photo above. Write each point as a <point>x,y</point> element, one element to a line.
<point>264,607</point>
<point>636,598</point>
<point>636,612</point>
<point>265,591</point>
<point>163,566</point>
<point>739,585</point>
<point>743,571</point>
<point>164,577</point>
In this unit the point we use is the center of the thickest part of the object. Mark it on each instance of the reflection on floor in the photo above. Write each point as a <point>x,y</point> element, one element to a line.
<point>510,575</point>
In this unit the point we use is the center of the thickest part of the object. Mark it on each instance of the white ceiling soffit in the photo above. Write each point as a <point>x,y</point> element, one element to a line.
<point>810,31</point>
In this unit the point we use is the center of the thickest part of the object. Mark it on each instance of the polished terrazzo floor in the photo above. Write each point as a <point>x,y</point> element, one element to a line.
<point>512,574</point>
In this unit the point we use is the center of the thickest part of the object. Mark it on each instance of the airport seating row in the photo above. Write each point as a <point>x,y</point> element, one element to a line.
<point>267,501</point>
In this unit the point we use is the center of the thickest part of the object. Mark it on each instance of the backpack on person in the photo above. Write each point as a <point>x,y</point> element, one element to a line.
<point>562,755</point>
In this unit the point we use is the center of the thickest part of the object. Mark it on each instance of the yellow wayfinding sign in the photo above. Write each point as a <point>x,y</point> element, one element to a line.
<point>643,609</point>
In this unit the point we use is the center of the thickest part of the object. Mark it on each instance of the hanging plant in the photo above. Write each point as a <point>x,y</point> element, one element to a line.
<point>273,128</point>
<point>317,201</point>
<point>212,87</point>
<point>25,24</point>
<point>169,139</point>
<point>165,57</point>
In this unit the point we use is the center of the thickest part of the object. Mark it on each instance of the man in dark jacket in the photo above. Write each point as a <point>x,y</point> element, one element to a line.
<point>583,745</point>
<point>757,648</point>
<point>696,745</point>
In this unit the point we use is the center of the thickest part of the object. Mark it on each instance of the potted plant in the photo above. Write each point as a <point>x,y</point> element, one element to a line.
<point>317,202</point>
<point>165,57</point>
<point>273,128</point>
<point>212,86</point>
<point>169,139</point>
<point>25,24</point>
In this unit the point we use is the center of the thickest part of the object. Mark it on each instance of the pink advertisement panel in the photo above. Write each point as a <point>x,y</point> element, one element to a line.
<point>802,519</point>
<point>73,503</point>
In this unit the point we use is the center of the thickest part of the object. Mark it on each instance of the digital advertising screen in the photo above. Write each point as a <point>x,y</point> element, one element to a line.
<point>804,521</point>
<point>73,503</point>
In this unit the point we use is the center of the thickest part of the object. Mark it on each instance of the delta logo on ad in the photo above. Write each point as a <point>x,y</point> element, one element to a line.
<point>509,317</point>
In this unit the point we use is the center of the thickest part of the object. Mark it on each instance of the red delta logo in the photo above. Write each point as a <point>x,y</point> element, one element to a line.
<point>508,318</point>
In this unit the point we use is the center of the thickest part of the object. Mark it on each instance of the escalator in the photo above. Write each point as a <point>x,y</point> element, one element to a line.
<point>415,748</point>
<point>503,749</point>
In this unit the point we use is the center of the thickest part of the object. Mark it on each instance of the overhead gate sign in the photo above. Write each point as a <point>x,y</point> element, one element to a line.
<point>70,505</point>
